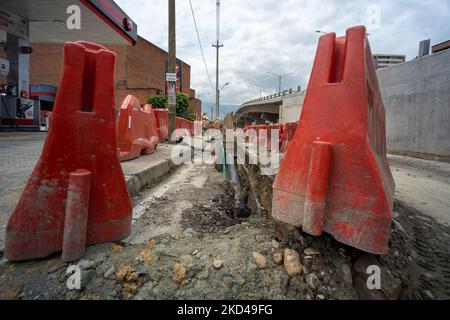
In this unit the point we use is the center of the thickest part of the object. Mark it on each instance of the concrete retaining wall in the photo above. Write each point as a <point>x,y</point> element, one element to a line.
<point>416,97</point>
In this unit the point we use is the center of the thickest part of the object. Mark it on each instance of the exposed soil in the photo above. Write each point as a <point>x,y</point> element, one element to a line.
<point>417,265</point>
<point>186,244</point>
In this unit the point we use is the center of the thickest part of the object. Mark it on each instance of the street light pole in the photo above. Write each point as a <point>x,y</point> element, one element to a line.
<point>171,85</point>
<point>280,76</point>
<point>217,45</point>
<point>220,90</point>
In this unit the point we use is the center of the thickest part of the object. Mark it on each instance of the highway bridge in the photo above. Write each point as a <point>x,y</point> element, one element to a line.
<point>280,107</point>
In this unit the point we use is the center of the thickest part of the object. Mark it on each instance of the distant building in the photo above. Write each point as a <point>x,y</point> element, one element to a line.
<point>441,46</point>
<point>386,60</point>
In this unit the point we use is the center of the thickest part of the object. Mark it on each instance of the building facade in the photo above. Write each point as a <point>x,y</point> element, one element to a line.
<point>140,70</point>
<point>386,60</point>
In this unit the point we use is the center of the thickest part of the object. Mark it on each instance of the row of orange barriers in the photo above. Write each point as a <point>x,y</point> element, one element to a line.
<point>140,128</point>
<point>262,135</point>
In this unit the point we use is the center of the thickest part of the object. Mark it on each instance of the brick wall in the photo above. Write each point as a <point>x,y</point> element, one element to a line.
<point>195,106</point>
<point>140,69</point>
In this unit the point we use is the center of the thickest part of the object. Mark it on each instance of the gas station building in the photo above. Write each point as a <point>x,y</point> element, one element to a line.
<point>32,34</point>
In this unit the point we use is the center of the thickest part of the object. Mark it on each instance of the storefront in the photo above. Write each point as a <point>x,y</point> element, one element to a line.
<point>23,105</point>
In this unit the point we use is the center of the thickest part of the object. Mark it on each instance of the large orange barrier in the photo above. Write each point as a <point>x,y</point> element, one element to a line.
<point>136,129</point>
<point>335,176</point>
<point>162,124</point>
<point>288,133</point>
<point>82,137</point>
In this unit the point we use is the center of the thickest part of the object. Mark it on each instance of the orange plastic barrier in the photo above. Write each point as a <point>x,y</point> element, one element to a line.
<point>288,134</point>
<point>263,136</point>
<point>183,127</point>
<point>280,129</point>
<point>162,123</point>
<point>136,129</point>
<point>82,136</point>
<point>335,176</point>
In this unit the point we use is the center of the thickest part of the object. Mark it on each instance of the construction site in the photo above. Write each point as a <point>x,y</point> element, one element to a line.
<point>339,191</point>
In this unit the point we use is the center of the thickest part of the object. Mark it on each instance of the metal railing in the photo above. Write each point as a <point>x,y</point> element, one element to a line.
<point>275,95</point>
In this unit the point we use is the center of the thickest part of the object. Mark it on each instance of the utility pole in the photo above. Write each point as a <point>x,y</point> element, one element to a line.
<point>217,45</point>
<point>280,76</point>
<point>171,76</point>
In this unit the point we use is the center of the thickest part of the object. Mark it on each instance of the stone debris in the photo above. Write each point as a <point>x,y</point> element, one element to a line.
<point>312,281</point>
<point>275,244</point>
<point>311,252</point>
<point>217,263</point>
<point>86,264</point>
<point>260,260</point>
<point>292,263</point>
<point>109,272</point>
<point>277,258</point>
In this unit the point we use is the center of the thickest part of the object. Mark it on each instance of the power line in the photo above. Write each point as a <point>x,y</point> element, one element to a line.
<point>200,44</point>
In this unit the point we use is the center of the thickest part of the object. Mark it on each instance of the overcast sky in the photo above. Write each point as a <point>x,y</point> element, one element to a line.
<point>279,36</point>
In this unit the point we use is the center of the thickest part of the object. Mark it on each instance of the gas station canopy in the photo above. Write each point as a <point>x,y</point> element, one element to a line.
<point>102,21</point>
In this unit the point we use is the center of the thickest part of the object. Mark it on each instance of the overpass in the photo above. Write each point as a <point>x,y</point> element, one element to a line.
<point>280,107</point>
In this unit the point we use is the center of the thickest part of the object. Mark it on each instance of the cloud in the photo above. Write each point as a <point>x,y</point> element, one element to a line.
<point>279,36</point>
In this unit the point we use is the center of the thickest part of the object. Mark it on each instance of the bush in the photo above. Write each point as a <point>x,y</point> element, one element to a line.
<point>182,104</point>
<point>191,116</point>
<point>162,102</point>
<point>158,102</point>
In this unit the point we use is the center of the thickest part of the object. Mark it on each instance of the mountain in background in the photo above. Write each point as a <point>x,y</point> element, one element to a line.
<point>224,108</point>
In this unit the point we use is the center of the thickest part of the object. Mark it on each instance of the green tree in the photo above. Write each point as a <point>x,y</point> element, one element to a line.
<point>182,104</point>
<point>158,102</point>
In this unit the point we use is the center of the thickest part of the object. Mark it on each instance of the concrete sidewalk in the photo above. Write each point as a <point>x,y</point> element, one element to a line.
<point>19,153</point>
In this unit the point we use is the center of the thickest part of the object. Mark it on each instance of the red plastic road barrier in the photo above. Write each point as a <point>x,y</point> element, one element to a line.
<point>183,127</point>
<point>82,136</point>
<point>263,136</point>
<point>198,128</point>
<point>136,129</point>
<point>288,134</point>
<point>162,123</point>
<point>280,129</point>
<point>77,209</point>
<point>335,176</point>
<point>249,134</point>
